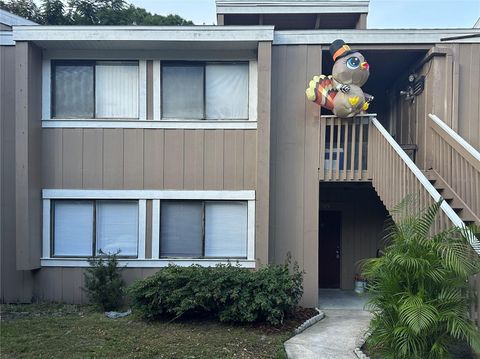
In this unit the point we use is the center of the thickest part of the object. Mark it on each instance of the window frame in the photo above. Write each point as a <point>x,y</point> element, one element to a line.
<point>203,231</point>
<point>94,229</point>
<point>53,63</point>
<point>146,120</point>
<point>204,64</point>
<point>152,232</point>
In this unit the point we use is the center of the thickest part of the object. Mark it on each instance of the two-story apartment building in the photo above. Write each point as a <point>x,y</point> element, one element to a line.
<point>196,145</point>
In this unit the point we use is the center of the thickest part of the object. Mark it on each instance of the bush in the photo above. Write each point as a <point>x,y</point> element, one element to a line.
<point>103,282</point>
<point>226,292</point>
<point>419,291</point>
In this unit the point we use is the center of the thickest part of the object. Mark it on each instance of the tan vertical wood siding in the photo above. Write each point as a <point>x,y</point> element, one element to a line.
<point>262,204</point>
<point>451,93</point>
<point>28,149</point>
<point>149,159</point>
<point>65,284</point>
<point>468,58</point>
<point>294,163</point>
<point>15,286</point>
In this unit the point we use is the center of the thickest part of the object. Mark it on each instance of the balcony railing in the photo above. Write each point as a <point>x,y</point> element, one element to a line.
<point>344,148</point>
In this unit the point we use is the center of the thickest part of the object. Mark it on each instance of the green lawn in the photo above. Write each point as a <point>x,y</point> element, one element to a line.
<point>68,331</point>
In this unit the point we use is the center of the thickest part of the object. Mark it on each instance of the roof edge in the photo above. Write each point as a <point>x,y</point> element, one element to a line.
<point>374,36</point>
<point>143,33</point>
<point>290,6</point>
<point>9,19</point>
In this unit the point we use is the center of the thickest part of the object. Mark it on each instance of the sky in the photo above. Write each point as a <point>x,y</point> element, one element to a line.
<point>382,13</point>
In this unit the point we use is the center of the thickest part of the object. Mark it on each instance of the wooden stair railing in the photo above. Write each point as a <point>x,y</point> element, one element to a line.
<point>394,176</point>
<point>455,167</point>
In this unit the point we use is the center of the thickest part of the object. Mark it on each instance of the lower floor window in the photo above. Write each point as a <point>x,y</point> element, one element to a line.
<point>84,228</point>
<point>203,229</point>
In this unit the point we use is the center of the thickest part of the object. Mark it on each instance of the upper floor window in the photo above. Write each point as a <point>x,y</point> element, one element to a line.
<point>95,89</point>
<point>205,90</point>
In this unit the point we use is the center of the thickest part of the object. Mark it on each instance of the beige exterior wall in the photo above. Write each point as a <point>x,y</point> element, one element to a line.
<point>15,286</point>
<point>279,160</point>
<point>363,216</point>
<point>149,159</point>
<point>28,150</point>
<point>294,163</point>
<point>65,284</point>
<point>467,73</point>
<point>96,158</point>
<point>451,93</point>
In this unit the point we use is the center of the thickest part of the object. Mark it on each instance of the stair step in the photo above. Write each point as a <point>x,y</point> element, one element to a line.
<point>466,217</point>
<point>454,203</point>
<point>451,198</point>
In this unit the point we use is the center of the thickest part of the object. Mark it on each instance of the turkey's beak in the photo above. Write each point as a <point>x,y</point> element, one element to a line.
<point>364,65</point>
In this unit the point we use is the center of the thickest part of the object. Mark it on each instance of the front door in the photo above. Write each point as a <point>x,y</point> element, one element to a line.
<point>329,249</point>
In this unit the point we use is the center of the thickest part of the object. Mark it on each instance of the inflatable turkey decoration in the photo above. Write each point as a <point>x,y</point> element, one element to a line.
<point>341,92</point>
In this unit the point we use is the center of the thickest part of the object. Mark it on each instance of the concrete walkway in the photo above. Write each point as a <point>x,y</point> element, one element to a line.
<point>334,337</point>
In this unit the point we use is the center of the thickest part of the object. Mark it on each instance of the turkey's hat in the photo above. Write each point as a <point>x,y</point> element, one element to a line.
<point>339,49</point>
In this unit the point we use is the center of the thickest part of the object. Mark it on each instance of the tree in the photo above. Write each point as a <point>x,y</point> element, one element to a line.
<point>52,13</point>
<point>88,12</point>
<point>419,291</point>
<point>24,8</point>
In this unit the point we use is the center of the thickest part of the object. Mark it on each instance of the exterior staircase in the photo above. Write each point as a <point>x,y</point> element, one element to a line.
<point>361,149</point>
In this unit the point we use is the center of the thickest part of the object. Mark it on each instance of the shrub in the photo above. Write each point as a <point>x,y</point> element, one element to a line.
<point>226,292</point>
<point>103,282</point>
<point>419,292</point>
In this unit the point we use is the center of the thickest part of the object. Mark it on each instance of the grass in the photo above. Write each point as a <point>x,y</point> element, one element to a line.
<point>69,331</point>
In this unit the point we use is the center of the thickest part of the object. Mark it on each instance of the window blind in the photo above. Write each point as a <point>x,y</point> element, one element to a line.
<point>117,227</point>
<point>226,229</point>
<point>226,91</point>
<point>116,89</point>
<point>73,228</point>
<point>182,91</point>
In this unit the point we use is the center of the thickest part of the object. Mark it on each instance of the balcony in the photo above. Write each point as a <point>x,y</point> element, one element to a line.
<point>344,148</point>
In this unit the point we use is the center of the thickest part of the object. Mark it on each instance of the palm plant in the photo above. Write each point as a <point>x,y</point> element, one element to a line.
<point>419,291</point>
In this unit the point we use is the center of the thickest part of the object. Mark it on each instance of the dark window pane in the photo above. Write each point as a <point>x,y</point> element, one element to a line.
<point>73,95</point>
<point>182,91</point>
<point>181,229</point>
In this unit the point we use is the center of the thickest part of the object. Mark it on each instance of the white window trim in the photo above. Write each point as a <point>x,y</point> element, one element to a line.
<point>47,230</point>
<point>161,124</point>
<point>149,263</point>
<point>252,96</point>
<point>142,90</point>
<point>157,90</point>
<point>242,195</point>
<point>142,222</point>
<point>56,122</point>
<point>156,197</point>
<point>252,90</point>
<point>142,122</point>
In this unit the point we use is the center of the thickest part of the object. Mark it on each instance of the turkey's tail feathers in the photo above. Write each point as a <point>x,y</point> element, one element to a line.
<point>321,91</point>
